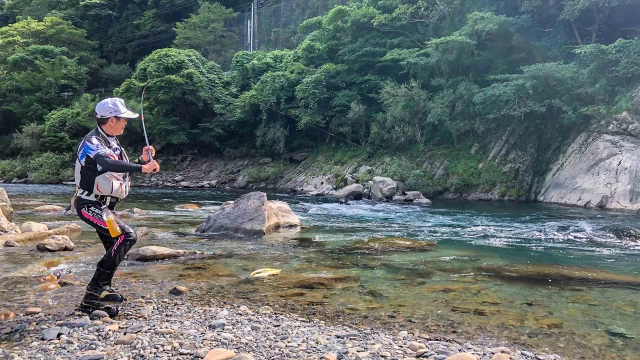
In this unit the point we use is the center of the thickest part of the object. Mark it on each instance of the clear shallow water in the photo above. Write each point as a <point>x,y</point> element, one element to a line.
<point>576,272</point>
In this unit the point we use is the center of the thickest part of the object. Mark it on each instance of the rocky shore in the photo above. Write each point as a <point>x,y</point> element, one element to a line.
<point>174,327</point>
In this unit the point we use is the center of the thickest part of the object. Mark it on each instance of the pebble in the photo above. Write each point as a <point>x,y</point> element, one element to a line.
<point>178,329</point>
<point>462,356</point>
<point>218,324</point>
<point>179,290</point>
<point>347,335</point>
<point>201,353</point>
<point>33,311</point>
<point>135,329</point>
<point>92,357</point>
<point>50,334</point>
<point>528,354</point>
<point>415,346</point>
<point>7,315</point>
<point>220,354</point>
<point>501,349</point>
<point>501,357</point>
<point>98,314</point>
<point>126,340</point>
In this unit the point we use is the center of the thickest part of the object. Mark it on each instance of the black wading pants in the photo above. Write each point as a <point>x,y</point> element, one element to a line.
<point>116,248</point>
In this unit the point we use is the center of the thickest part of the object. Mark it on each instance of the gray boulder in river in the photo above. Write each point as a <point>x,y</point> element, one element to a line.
<point>600,168</point>
<point>252,214</point>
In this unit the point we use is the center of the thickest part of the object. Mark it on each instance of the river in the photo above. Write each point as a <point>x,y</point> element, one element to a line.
<point>552,277</point>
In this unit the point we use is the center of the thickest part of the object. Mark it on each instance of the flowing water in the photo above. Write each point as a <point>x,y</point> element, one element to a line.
<point>562,279</point>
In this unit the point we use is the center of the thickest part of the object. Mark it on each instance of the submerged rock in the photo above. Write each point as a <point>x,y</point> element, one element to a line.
<point>619,332</point>
<point>562,275</point>
<point>188,207</point>
<point>155,253</point>
<point>390,244</point>
<point>316,281</point>
<point>250,215</point>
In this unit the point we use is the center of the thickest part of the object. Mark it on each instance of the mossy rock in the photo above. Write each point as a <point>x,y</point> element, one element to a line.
<point>389,244</point>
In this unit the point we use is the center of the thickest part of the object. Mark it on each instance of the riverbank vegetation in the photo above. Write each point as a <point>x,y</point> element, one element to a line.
<point>388,78</point>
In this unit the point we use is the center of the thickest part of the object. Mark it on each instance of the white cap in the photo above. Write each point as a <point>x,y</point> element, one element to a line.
<point>113,107</point>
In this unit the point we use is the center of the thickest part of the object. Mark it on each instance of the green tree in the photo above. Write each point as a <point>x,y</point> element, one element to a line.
<point>205,32</point>
<point>186,93</point>
<point>40,78</point>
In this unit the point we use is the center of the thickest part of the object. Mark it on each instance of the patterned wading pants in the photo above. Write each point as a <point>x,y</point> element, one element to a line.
<point>116,248</point>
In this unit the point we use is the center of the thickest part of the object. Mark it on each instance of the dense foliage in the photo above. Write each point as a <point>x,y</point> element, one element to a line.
<point>384,75</point>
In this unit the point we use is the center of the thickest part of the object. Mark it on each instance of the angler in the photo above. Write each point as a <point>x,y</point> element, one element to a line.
<point>102,178</point>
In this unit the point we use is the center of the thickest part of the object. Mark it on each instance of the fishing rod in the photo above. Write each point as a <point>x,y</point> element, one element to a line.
<point>146,139</point>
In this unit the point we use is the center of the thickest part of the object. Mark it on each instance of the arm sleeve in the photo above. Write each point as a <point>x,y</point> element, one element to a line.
<point>109,164</point>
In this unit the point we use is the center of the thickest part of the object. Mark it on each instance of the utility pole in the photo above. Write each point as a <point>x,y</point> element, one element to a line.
<point>255,23</point>
<point>250,25</point>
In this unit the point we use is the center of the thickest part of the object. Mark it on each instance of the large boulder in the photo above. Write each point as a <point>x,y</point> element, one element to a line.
<point>250,215</point>
<point>383,188</point>
<point>5,205</point>
<point>156,253</point>
<point>353,191</point>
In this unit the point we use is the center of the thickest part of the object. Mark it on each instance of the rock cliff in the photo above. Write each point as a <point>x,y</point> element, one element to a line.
<point>600,168</point>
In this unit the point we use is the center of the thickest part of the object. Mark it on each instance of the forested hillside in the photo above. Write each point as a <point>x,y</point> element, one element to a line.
<point>371,76</point>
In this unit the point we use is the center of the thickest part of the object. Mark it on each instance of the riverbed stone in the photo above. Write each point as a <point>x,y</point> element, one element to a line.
<point>501,357</point>
<point>42,235</point>
<point>50,333</point>
<point>390,244</point>
<point>220,354</point>
<point>462,356</point>
<point>562,275</point>
<point>250,215</point>
<point>188,207</point>
<point>383,188</point>
<point>98,314</point>
<point>352,191</point>
<point>415,346</point>
<point>33,311</point>
<point>48,209</point>
<point>31,226</point>
<point>126,339</point>
<point>56,243</point>
<point>157,253</point>
<point>5,205</point>
<point>178,290</point>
